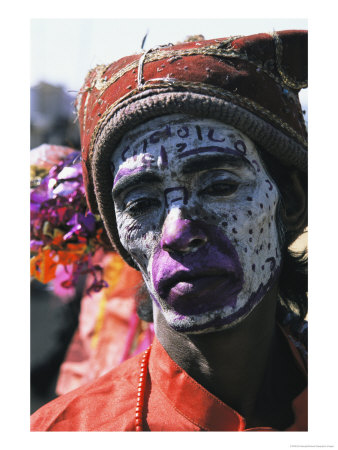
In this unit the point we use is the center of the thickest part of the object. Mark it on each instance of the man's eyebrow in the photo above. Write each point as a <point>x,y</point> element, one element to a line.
<point>139,177</point>
<point>215,161</point>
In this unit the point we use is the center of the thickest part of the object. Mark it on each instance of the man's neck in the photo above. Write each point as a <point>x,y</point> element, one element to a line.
<point>232,364</point>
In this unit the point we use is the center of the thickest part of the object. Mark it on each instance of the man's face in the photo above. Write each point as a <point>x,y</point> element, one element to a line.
<point>195,208</point>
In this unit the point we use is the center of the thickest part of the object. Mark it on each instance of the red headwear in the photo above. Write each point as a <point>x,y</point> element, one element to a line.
<point>249,82</point>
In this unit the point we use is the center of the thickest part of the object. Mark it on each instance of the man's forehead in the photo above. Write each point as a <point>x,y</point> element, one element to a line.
<point>178,135</point>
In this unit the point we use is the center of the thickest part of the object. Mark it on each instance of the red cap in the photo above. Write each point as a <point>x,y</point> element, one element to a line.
<point>249,82</point>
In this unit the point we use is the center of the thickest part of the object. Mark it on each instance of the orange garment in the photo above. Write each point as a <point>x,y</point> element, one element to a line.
<point>173,402</point>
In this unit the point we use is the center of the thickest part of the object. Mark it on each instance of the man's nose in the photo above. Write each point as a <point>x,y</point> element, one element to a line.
<point>180,234</point>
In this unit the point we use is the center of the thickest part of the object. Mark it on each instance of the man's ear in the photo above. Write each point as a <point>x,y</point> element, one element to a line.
<point>294,211</point>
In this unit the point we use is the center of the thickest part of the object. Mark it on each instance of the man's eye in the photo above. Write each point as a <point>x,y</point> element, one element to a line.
<point>140,206</point>
<point>220,189</point>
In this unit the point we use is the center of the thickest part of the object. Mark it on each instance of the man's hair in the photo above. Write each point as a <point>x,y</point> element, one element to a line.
<point>293,281</point>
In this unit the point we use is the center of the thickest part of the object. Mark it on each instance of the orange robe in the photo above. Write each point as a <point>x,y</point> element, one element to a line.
<point>173,402</point>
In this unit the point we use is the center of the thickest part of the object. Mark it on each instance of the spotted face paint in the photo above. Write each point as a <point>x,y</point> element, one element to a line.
<point>195,208</point>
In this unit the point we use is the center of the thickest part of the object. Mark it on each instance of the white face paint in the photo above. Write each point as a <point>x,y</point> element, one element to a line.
<point>195,208</point>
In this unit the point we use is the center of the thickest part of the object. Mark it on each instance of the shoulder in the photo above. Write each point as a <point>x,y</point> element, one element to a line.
<point>107,404</point>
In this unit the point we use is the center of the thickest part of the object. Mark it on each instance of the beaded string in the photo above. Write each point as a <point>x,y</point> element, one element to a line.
<point>141,390</point>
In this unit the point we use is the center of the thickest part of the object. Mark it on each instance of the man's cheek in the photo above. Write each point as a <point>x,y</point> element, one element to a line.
<point>232,219</point>
<point>141,246</point>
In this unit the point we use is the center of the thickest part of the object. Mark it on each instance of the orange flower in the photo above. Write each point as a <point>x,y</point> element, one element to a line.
<point>43,265</point>
<point>57,237</point>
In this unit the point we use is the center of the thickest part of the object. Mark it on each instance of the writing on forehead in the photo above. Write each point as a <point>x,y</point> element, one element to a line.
<point>155,137</point>
<point>213,149</point>
<point>163,158</point>
<point>174,194</point>
<point>128,152</point>
<point>182,132</point>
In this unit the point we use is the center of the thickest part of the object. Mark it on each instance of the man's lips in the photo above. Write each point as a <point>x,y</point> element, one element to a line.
<point>196,292</point>
<point>185,281</point>
<point>202,281</point>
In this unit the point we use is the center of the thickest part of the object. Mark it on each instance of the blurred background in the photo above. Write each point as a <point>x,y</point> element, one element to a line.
<point>62,52</point>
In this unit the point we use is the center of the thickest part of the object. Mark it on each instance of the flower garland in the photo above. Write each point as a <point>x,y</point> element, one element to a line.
<point>63,232</point>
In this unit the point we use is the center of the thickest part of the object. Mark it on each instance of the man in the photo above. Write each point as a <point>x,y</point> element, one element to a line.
<point>195,157</point>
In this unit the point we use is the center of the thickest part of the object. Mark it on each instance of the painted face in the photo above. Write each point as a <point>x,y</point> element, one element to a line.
<point>195,208</point>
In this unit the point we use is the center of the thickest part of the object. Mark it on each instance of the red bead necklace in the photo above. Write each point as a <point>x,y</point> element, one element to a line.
<point>141,389</point>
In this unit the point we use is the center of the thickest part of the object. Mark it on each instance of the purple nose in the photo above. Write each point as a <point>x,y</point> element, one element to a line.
<point>181,235</point>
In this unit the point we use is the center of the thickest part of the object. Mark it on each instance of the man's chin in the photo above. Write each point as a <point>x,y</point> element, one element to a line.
<point>211,322</point>
<point>204,328</point>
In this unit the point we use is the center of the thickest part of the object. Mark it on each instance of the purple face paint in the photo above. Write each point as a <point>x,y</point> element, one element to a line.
<point>219,322</point>
<point>184,280</point>
<point>209,257</point>
<point>126,172</point>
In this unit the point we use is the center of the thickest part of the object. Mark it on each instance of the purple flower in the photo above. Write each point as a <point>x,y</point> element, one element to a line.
<point>58,204</point>
<point>88,222</point>
<point>35,245</point>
